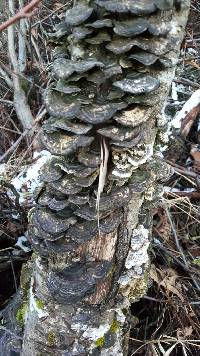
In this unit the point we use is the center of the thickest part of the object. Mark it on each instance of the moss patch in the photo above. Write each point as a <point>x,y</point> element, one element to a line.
<point>100,341</point>
<point>51,338</point>
<point>114,326</point>
<point>20,316</point>
<point>25,280</point>
<point>196,261</point>
<point>39,304</point>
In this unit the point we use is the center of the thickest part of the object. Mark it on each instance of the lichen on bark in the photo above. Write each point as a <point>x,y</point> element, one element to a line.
<point>112,73</point>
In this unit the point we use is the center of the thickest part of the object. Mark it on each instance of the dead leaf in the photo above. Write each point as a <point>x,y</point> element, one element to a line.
<point>188,120</point>
<point>168,280</point>
<point>153,274</point>
<point>163,227</point>
<point>170,283</point>
<point>195,153</point>
<point>192,62</point>
<point>34,33</point>
<point>187,331</point>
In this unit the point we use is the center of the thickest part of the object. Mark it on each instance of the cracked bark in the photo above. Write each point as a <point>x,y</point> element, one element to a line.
<point>112,80</point>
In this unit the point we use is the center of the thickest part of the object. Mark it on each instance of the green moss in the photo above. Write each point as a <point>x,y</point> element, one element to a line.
<point>39,304</point>
<point>196,261</point>
<point>51,338</point>
<point>20,316</point>
<point>25,84</point>
<point>25,280</point>
<point>114,326</point>
<point>100,341</point>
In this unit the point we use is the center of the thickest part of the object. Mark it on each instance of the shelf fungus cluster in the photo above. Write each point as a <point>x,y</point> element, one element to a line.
<point>111,73</point>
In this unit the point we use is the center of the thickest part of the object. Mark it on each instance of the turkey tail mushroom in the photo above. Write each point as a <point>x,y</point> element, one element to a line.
<point>111,75</point>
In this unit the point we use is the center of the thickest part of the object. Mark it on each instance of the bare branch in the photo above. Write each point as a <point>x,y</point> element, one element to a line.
<point>22,41</point>
<point>27,11</point>
<point>13,147</point>
<point>6,77</point>
<point>20,100</point>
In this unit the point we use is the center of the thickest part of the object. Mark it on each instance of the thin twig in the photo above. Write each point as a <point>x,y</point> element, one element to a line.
<point>187,269</point>
<point>186,82</point>
<point>27,11</point>
<point>6,78</point>
<point>175,235</point>
<point>13,147</point>
<point>8,102</point>
<point>51,14</point>
<point>11,72</point>
<point>10,332</point>
<point>13,271</point>
<point>194,194</point>
<point>182,170</point>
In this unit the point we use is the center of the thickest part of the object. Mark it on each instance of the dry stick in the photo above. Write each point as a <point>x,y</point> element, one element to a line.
<point>14,146</point>
<point>51,14</point>
<point>175,235</point>
<point>102,174</point>
<point>8,102</point>
<point>186,82</point>
<point>27,11</point>
<point>13,270</point>
<point>195,194</point>
<point>11,149</point>
<point>29,148</point>
<point>22,42</point>
<point>20,100</point>
<point>182,170</point>
<point>6,78</point>
<point>20,75</point>
<point>10,332</point>
<point>167,252</point>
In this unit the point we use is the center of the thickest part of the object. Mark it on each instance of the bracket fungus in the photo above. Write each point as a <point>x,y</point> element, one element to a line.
<point>136,7</point>
<point>77,15</point>
<point>63,68</point>
<point>76,282</point>
<point>97,114</point>
<point>62,144</point>
<point>73,126</point>
<point>144,84</point>
<point>111,75</point>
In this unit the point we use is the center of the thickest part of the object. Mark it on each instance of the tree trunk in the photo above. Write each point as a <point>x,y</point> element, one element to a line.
<point>91,226</point>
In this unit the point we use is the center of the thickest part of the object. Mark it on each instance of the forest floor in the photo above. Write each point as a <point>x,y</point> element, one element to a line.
<point>168,317</point>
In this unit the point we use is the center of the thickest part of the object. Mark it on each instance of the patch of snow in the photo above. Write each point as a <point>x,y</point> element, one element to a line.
<point>156,241</point>
<point>15,216</point>
<point>33,305</point>
<point>192,51</point>
<point>176,190</point>
<point>28,179</point>
<point>163,149</point>
<point>20,244</point>
<point>120,316</point>
<point>95,333</point>
<point>138,254</point>
<point>2,169</point>
<point>174,93</point>
<point>190,104</point>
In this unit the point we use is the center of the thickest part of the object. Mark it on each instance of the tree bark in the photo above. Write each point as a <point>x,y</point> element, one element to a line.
<point>91,259</point>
